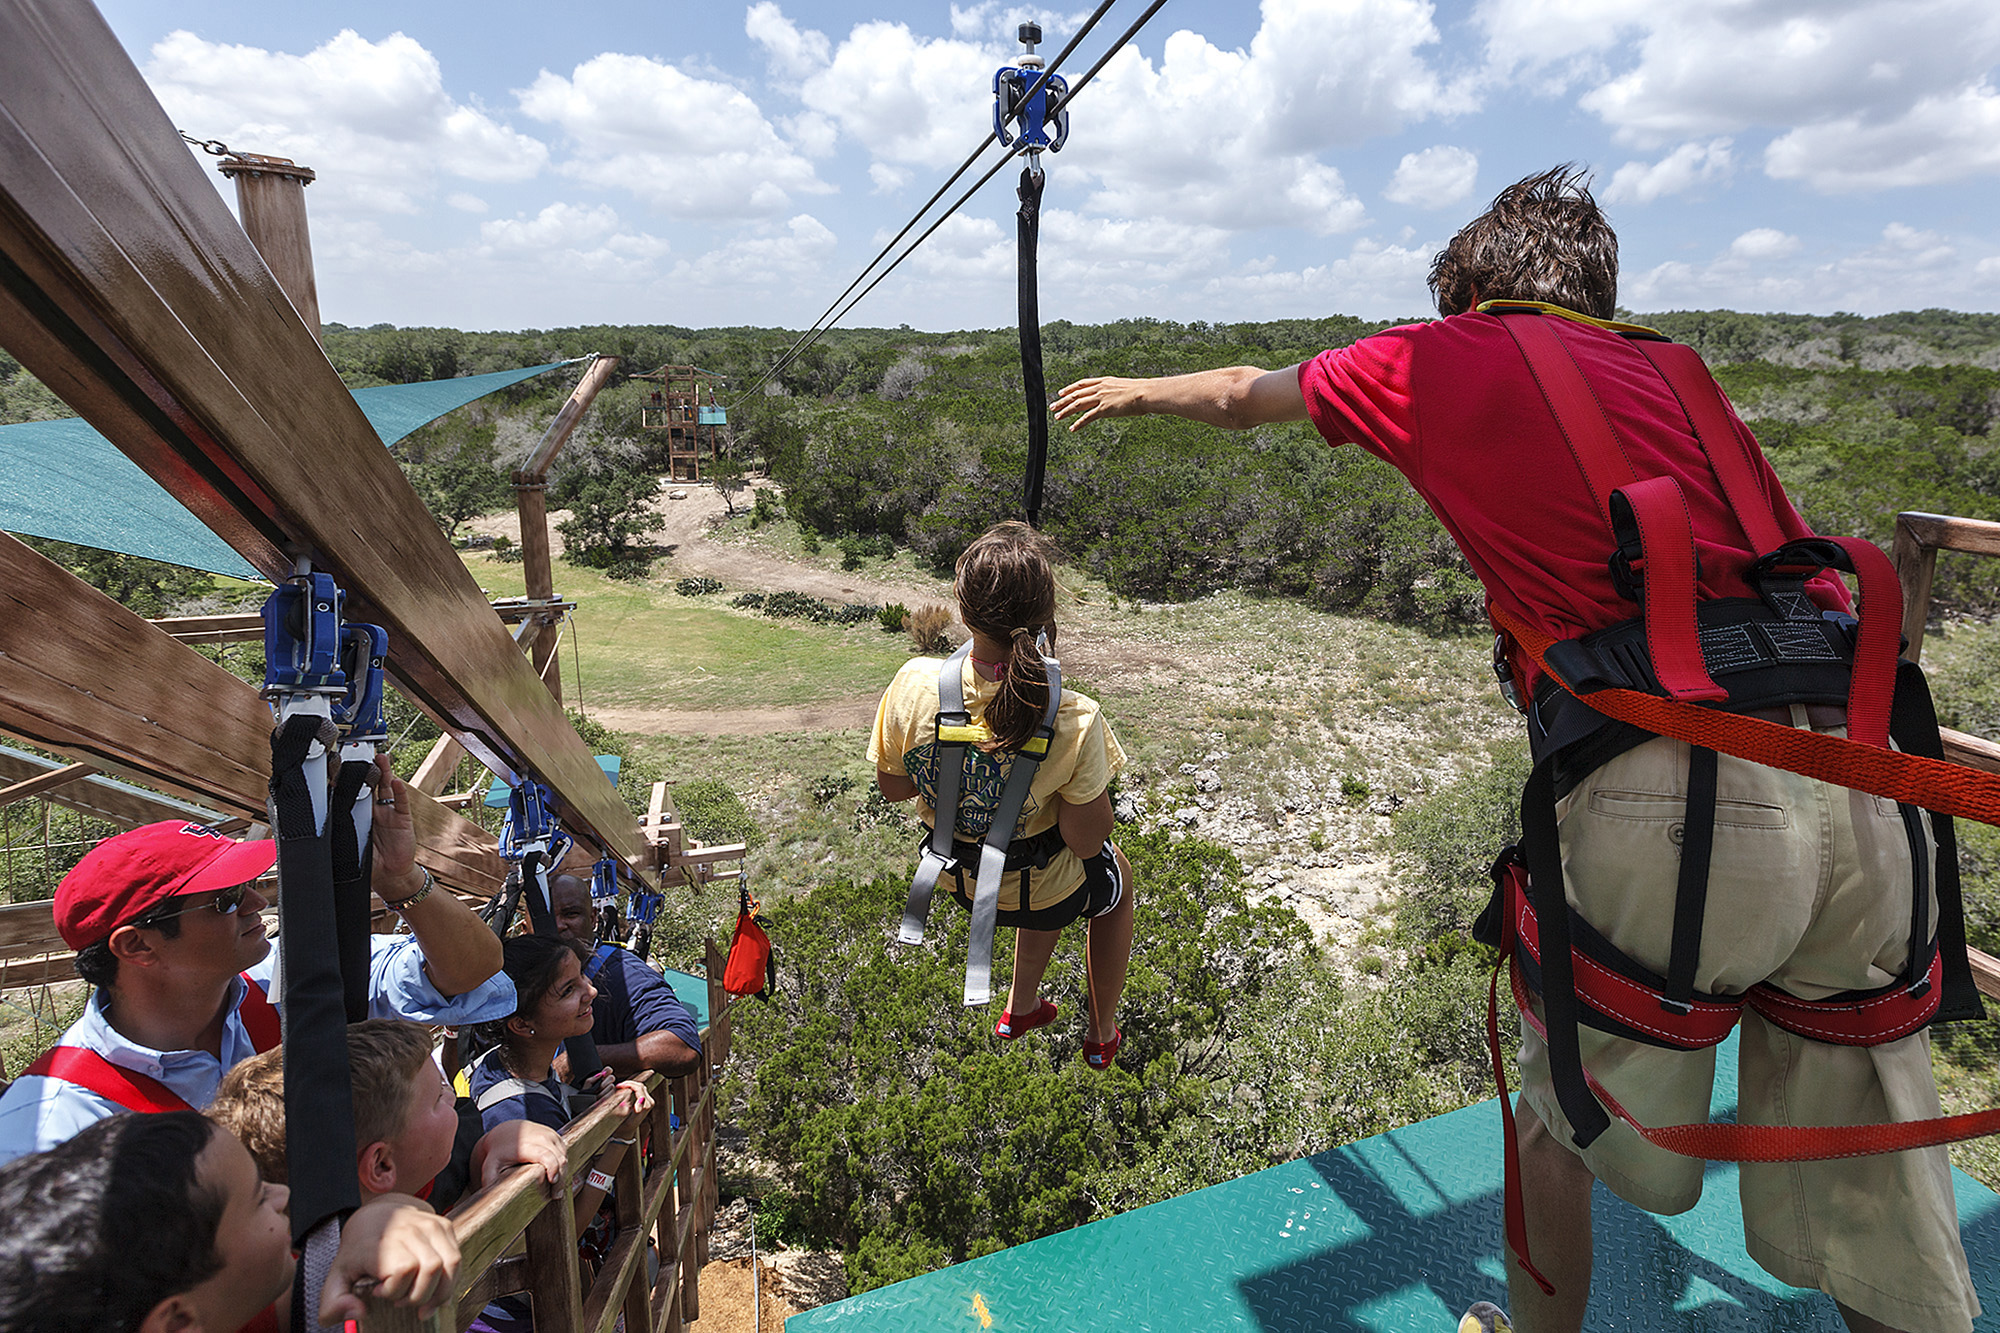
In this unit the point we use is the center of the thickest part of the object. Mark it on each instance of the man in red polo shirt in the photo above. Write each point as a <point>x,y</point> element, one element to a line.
<point>1810,886</point>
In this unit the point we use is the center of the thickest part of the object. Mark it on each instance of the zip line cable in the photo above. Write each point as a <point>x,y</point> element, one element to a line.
<point>806,339</point>
<point>814,335</point>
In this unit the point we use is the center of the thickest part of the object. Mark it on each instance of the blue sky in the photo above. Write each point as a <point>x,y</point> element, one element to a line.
<point>507,165</point>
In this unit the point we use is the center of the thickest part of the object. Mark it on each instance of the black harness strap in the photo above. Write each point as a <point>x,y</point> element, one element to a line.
<point>1028,235</point>
<point>353,875</point>
<point>1691,891</point>
<point>319,1100</point>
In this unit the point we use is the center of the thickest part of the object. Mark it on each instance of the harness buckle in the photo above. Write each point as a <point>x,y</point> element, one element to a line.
<point>1503,671</point>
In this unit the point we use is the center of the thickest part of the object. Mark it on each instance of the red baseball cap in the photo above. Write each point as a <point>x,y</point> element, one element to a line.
<point>122,877</point>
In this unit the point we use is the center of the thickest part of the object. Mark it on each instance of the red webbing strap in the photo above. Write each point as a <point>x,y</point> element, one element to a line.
<point>1714,430</point>
<point>1873,690</point>
<point>87,1069</point>
<point>1784,1143</point>
<point>260,1017</point>
<point>1515,1208</point>
<point>1666,537</point>
<point>1934,784</point>
<point>1636,1006</point>
<point>1578,414</point>
<point>1893,1014</point>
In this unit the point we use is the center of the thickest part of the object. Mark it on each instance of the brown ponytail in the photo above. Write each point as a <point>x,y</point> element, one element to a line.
<point>1006,590</point>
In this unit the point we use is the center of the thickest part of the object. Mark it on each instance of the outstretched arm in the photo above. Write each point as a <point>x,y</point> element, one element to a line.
<point>1235,398</point>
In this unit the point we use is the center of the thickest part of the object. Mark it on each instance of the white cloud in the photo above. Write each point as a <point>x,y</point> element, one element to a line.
<point>1865,94</point>
<point>1906,268</point>
<point>466,203</point>
<point>1764,243</point>
<point>1434,178</point>
<point>1317,74</point>
<point>792,54</point>
<point>887,179</point>
<point>1689,165</point>
<point>768,255</point>
<point>1374,280</point>
<point>557,226</point>
<point>1939,139</point>
<point>691,147</point>
<point>372,118</point>
<point>900,96</point>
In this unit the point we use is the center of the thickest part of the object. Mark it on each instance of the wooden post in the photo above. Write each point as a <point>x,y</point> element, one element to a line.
<point>271,202</point>
<point>531,501</point>
<point>439,766</point>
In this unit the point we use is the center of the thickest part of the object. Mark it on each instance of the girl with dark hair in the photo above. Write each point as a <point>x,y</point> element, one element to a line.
<point>515,1079</point>
<point>1006,590</point>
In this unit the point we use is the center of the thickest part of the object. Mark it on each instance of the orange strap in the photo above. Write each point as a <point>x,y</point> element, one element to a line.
<point>1933,784</point>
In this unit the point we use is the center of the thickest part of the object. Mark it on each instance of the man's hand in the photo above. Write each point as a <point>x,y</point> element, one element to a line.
<point>519,1143</point>
<point>394,836</point>
<point>396,1249</point>
<point>1102,396</point>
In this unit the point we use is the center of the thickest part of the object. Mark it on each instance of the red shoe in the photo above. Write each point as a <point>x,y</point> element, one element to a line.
<point>1010,1027</point>
<point>1101,1054</point>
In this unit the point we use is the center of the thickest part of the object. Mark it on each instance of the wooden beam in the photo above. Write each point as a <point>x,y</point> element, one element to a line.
<point>44,782</point>
<point>104,798</point>
<point>82,675</point>
<point>439,766</point>
<point>595,377</point>
<point>538,572</point>
<point>214,629</point>
<point>129,290</point>
<point>1985,973</point>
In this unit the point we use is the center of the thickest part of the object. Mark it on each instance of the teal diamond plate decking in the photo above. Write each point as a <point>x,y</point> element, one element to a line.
<point>1394,1234</point>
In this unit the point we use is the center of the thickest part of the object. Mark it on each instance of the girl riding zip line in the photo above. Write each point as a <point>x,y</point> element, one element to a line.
<point>1006,590</point>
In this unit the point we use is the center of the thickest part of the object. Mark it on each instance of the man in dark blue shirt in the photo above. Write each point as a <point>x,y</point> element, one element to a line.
<point>640,1023</point>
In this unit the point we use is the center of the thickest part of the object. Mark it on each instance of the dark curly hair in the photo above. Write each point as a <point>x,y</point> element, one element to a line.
<point>105,1226</point>
<point>532,963</point>
<point>1543,239</point>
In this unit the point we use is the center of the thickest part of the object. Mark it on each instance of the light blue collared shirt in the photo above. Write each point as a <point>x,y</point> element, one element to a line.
<point>37,1113</point>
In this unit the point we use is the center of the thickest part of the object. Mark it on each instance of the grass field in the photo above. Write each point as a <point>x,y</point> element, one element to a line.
<point>641,645</point>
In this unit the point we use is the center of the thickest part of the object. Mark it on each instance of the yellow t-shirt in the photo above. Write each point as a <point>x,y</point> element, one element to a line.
<point>1082,759</point>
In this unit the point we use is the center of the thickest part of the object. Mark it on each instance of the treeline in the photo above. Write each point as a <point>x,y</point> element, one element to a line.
<point>919,438</point>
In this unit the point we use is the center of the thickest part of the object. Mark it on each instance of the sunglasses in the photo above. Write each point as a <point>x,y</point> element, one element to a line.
<point>225,903</point>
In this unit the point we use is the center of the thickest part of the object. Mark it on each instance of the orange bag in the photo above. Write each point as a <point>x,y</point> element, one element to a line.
<point>751,970</point>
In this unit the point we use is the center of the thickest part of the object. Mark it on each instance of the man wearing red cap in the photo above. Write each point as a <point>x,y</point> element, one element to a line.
<point>168,925</point>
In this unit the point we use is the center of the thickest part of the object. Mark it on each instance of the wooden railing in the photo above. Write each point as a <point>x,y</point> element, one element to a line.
<point>515,1238</point>
<point>1919,537</point>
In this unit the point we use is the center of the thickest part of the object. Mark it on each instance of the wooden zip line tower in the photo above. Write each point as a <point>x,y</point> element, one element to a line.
<point>128,288</point>
<point>686,408</point>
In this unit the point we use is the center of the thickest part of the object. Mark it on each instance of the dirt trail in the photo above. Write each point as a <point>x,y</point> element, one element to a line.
<point>841,715</point>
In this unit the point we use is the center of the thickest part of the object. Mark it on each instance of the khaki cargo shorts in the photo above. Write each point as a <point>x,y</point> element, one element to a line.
<point>1809,887</point>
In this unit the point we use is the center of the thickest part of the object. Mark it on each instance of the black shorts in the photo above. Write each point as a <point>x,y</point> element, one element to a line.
<point>1102,889</point>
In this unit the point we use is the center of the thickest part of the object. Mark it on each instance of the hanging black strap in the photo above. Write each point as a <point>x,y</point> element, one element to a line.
<point>1541,845</point>
<point>1028,236</point>
<point>1913,724</point>
<point>319,1102</point>
<point>353,875</point>
<point>1691,892</point>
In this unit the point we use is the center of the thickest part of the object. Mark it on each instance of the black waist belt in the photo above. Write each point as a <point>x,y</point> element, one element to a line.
<point>1032,852</point>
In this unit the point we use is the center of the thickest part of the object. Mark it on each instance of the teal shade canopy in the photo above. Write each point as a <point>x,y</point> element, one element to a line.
<point>63,481</point>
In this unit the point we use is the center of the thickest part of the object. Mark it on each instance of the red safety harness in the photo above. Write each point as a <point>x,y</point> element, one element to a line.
<point>138,1092</point>
<point>1656,675</point>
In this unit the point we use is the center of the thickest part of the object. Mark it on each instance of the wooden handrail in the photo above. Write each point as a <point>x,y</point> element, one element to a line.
<point>1919,537</point>
<point>664,1198</point>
